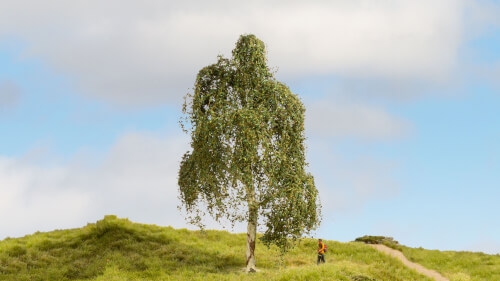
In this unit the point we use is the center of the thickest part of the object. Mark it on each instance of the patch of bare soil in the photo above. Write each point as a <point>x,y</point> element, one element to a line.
<point>419,268</point>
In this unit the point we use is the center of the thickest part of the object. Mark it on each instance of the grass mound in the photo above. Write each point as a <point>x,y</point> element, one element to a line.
<point>86,253</point>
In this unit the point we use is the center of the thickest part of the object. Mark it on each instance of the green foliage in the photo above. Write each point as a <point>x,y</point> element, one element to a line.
<point>248,157</point>
<point>383,240</point>
<point>457,266</point>
<point>116,249</point>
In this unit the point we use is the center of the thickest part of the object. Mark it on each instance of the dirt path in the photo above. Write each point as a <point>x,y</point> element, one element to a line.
<point>412,265</point>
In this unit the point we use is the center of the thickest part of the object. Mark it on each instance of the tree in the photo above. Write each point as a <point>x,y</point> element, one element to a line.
<point>248,157</point>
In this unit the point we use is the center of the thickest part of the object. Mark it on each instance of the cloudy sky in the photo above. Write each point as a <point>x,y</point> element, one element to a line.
<point>402,100</point>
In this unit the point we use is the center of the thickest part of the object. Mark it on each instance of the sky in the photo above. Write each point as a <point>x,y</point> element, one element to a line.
<point>402,110</point>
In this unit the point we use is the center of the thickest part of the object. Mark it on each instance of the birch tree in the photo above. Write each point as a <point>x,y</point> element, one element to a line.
<point>247,162</point>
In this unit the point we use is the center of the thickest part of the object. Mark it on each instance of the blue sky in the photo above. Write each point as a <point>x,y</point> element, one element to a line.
<point>402,101</point>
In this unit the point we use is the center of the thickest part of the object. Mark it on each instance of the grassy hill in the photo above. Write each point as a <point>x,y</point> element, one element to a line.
<point>117,249</point>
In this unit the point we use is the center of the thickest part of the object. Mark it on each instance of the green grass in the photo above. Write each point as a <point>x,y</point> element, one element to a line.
<point>457,266</point>
<point>117,249</point>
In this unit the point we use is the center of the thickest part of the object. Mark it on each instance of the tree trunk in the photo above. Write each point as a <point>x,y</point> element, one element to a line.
<point>251,236</point>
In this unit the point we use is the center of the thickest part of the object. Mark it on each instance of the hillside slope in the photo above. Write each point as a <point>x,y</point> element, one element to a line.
<point>117,249</point>
<point>457,266</point>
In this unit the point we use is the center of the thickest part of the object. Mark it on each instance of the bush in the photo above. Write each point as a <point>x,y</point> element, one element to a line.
<point>383,240</point>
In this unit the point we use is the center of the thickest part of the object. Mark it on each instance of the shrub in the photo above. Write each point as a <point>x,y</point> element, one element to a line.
<point>383,240</point>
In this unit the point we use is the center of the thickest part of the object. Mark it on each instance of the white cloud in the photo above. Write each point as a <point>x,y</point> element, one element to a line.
<point>382,39</point>
<point>348,180</point>
<point>33,198</point>
<point>341,118</point>
<point>137,179</point>
<point>132,53</point>
<point>347,185</point>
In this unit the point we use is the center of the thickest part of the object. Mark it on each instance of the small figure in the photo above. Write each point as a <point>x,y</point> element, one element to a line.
<point>321,251</point>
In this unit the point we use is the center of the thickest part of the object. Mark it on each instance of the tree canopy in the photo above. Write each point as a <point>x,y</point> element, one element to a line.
<point>248,156</point>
